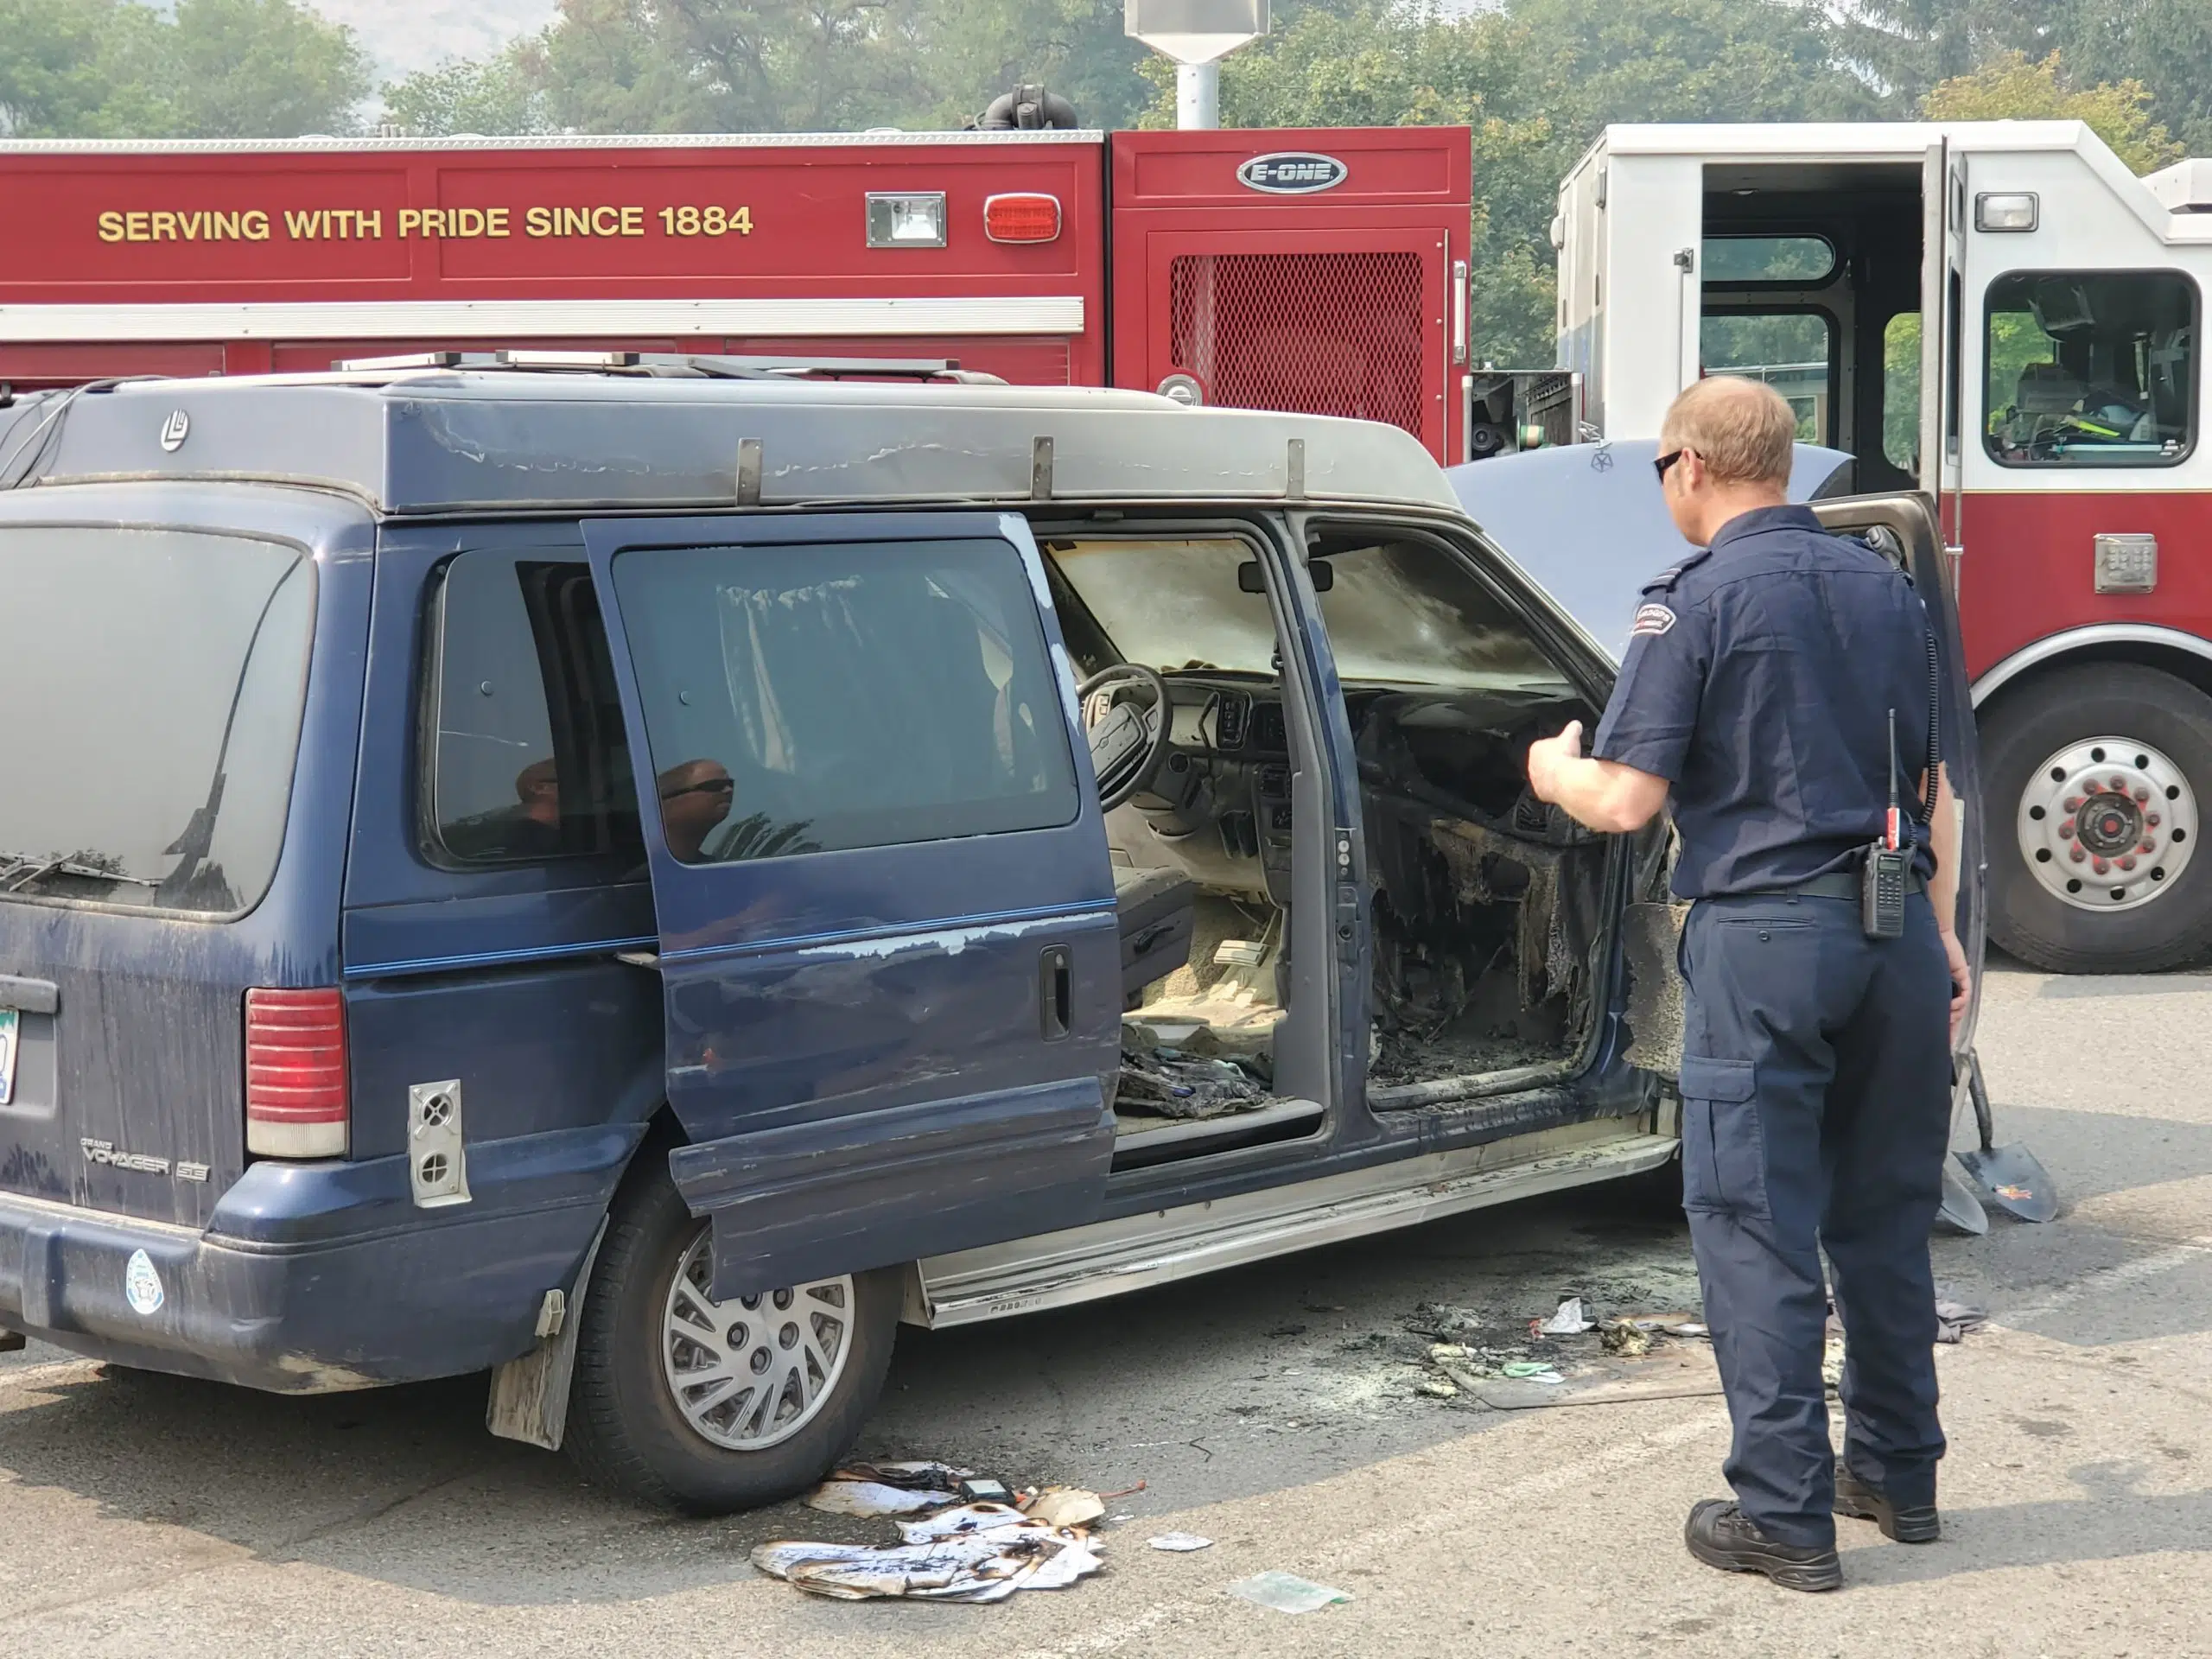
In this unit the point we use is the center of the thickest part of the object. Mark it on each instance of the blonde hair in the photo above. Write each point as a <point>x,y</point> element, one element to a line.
<point>1743,430</point>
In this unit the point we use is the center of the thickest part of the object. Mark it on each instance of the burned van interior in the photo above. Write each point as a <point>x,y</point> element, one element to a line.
<point>1487,906</point>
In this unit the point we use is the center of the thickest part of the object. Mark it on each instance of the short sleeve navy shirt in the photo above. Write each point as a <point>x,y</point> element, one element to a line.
<point>1760,680</point>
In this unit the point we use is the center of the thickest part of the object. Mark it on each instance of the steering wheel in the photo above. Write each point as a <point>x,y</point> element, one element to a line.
<point>1126,746</point>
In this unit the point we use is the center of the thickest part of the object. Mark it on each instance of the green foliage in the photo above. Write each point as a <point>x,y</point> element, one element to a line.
<point>494,96</point>
<point>2012,88</point>
<point>214,69</point>
<point>725,66</point>
<point>2165,45</point>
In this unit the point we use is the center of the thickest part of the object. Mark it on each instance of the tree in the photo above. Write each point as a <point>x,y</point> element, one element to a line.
<point>216,69</point>
<point>495,97</point>
<point>2012,88</point>
<point>2166,44</point>
<point>261,69</point>
<point>1904,47</point>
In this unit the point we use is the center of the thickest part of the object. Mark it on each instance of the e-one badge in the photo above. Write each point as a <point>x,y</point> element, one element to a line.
<point>1652,620</point>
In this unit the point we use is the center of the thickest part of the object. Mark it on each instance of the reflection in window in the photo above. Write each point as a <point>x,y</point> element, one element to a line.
<point>2090,369</point>
<point>1803,259</point>
<point>529,760</point>
<point>812,699</point>
<point>1787,350</point>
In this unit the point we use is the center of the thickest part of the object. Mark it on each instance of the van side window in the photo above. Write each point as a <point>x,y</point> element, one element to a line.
<point>812,699</point>
<point>2091,368</point>
<point>526,760</point>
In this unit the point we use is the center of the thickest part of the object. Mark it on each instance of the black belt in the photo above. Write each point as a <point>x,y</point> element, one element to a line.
<point>1844,884</point>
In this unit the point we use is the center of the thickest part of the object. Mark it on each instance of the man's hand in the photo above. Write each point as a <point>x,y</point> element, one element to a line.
<point>1962,981</point>
<point>1547,759</point>
<point>1602,795</point>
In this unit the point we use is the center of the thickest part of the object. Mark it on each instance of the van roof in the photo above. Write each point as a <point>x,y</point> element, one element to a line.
<point>417,442</point>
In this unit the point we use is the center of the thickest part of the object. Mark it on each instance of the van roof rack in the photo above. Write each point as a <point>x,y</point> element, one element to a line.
<point>680,365</point>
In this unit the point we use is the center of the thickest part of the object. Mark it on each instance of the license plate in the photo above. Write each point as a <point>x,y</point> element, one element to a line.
<point>9,1020</point>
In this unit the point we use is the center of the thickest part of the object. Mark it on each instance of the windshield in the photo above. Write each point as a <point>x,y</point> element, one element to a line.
<point>156,680</point>
<point>1399,612</point>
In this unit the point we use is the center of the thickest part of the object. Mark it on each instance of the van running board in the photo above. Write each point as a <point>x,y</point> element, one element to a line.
<point>1158,1248</point>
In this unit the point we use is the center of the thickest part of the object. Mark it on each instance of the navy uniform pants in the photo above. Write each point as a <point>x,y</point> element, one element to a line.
<point>1816,1094</point>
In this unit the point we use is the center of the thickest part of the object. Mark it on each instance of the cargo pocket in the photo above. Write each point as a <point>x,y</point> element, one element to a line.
<point>1724,1149</point>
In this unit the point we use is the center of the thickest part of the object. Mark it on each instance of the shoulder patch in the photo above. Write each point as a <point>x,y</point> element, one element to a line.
<point>1652,620</point>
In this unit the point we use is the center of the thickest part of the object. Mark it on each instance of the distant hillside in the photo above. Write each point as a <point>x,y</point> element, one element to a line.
<point>403,35</point>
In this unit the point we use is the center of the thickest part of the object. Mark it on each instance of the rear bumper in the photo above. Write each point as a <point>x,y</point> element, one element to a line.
<point>310,1279</point>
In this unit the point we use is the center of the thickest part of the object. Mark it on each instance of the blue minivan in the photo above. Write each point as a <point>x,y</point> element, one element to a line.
<point>641,875</point>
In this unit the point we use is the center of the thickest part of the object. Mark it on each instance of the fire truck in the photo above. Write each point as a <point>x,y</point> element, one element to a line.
<point>2005,315</point>
<point>1312,271</point>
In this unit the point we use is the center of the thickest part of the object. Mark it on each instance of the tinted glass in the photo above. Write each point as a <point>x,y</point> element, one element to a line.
<point>810,699</point>
<point>156,680</point>
<point>1788,351</point>
<point>2091,369</point>
<point>528,760</point>
<point>1804,259</point>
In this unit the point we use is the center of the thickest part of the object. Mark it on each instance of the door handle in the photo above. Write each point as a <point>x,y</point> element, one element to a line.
<point>1054,993</point>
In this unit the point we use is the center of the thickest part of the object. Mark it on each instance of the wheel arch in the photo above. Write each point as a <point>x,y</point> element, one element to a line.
<point>2185,656</point>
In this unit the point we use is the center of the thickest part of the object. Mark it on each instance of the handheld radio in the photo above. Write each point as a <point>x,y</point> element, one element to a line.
<point>1889,862</point>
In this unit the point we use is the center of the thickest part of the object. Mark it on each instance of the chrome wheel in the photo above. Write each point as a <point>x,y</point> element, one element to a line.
<point>750,1372</point>
<point>2107,823</point>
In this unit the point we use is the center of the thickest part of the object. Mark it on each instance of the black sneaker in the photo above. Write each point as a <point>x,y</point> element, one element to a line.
<point>1855,1497</point>
<point>1719,1536</point>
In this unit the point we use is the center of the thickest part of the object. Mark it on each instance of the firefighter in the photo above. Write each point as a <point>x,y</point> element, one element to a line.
<point>1779,682</point>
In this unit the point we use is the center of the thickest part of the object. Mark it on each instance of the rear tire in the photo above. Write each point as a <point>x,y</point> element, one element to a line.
<point>2037,733</point>
<point>629,1431</point>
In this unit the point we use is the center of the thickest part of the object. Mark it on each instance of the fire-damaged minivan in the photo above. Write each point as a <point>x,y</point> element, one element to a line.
<point>639,876</point>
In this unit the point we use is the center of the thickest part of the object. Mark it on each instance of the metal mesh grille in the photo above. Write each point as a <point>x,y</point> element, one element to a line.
<point>1315,334</point>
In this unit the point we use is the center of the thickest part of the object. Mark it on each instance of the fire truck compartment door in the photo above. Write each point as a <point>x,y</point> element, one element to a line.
<point>1350,323</point>
<point>886,938</point>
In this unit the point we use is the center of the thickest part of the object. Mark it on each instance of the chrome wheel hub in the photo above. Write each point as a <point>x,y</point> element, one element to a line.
<point>750,1372</point>
<point>2107,823</point>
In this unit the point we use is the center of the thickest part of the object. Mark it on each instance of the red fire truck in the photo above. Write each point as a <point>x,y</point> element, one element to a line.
<point>1321,273</point>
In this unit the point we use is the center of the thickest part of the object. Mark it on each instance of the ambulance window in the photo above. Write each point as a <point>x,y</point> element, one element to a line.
<point>1901,392</point>
<point>1790,351</point>
<point>2091,368</point>
<point>1798,261</point>
<point>527,758</point>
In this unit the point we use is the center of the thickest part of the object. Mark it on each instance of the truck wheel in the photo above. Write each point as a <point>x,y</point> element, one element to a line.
<point>684,1402</point>
<point>2091,779</point>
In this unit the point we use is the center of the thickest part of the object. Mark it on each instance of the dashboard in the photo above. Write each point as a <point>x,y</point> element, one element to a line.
<point>1219,807</point>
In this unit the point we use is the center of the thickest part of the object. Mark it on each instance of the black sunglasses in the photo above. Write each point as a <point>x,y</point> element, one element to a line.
<point>1665,464</point>
<point>712,786</point>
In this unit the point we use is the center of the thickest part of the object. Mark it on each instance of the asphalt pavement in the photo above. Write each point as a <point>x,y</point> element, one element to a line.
<point>1279,1411</point>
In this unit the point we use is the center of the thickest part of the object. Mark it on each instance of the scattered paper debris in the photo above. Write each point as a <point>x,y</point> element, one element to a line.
<point>1180,1543</point>
<point>974,1552</point>
<point>1442,1322</point>
<point>1437,1387</point>
<point>1065,1506</point>
<point>1287,1594</point>
<point>871,1499</point>
<point>1569,1321</point>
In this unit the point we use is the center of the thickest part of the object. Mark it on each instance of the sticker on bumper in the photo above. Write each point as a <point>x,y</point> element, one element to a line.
<point>142,1286</point>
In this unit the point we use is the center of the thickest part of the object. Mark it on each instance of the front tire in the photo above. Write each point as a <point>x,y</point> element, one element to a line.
<point>679,1401</point>
<point>2093,778</point>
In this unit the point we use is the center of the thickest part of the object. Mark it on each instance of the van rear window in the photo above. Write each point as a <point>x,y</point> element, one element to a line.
<point>154,680</point>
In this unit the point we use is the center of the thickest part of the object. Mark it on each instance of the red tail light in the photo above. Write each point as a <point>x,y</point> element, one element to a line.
<point>297,1104</point>
<point>1021,216</point>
